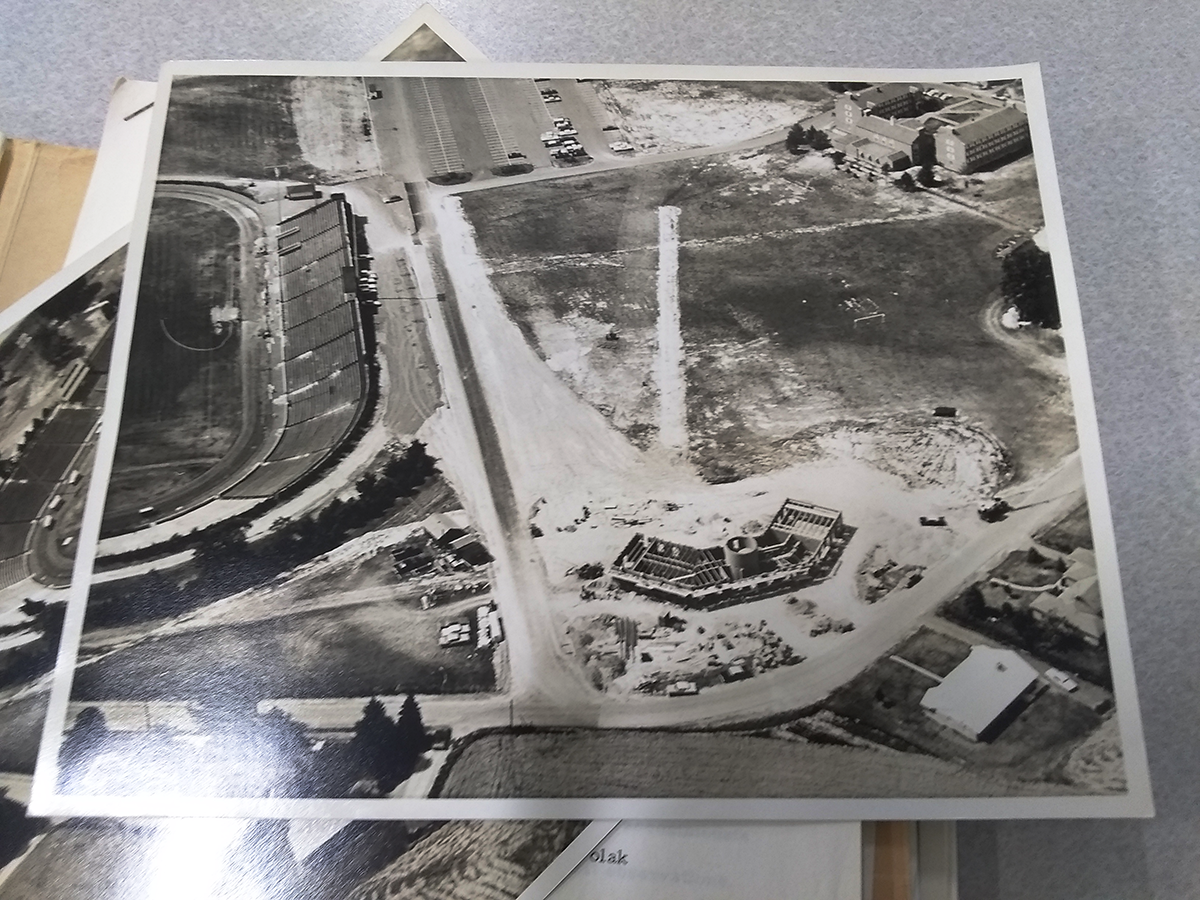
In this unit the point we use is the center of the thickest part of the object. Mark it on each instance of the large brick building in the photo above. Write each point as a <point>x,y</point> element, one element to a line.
<point>994,135</point>
<point>882,129</point>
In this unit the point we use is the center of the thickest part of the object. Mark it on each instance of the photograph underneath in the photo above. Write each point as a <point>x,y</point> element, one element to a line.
<point>573,438</point>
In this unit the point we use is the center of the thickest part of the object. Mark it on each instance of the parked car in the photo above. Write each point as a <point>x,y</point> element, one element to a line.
<point>1062,679</point>
<point>621,147</point>
<point>682,689</point>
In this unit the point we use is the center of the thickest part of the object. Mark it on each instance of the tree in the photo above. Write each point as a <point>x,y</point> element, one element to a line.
<point>906,182</point>
<point>373,747</point>
<point>1028,283</point>
<point>797,139</point>
<point>412,740</point>
<point>973,602</point>
<point>926,176</point>
<point>818,139</point>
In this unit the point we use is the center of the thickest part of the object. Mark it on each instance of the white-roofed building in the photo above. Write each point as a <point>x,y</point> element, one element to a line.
<point>976,697</point>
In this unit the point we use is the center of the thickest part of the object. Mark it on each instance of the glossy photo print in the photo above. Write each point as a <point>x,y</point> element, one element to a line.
<point>597,442</point>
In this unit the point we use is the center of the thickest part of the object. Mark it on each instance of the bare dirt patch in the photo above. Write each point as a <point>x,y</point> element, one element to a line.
<point>782,338</point>
<point>1098,763</point>
<point>647,654</point>
<point>333,127</point>
<point>678,115</point>
<point>582,288</point>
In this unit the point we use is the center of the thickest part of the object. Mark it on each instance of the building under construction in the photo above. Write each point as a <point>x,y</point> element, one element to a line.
<point>799,546</point>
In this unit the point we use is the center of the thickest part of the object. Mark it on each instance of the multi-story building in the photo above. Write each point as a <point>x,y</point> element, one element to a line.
<point>995,135</point>
<point>882,100</point>
<point>882,129</point>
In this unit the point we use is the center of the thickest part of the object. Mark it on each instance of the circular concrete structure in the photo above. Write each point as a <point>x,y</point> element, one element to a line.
<point>741,556</point>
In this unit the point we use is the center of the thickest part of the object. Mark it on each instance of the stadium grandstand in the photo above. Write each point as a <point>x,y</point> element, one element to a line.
<point>801,541</point>
<point>324,346</point>
<point>41,464</point>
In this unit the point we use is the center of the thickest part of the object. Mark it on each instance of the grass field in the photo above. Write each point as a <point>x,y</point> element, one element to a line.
<point>1072,531</point>
<point>779,256</point>
<point>183,401</point>
<point>931,279</point>
<point>1034,747</point>
<point>380,648</point>
<point>582,763</point>
<point>232,126</point>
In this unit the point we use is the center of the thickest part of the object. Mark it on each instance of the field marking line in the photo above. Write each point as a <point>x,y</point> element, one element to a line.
<point>669,361</point>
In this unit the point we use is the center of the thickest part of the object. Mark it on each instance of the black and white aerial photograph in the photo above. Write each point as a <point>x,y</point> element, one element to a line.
<point>633,435</point>
<point>56,356</point>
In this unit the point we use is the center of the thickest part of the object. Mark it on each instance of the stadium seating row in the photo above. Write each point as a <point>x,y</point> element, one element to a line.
<point>323,329</point>
<point>317,435</point>
<point>270,478</point>
<point>313,221</point>
<point>320,364</point>
<point>322,349</point>
<point>344,387</point>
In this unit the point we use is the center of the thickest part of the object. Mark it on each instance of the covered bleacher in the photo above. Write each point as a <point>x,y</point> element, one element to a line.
<point>324,366</point>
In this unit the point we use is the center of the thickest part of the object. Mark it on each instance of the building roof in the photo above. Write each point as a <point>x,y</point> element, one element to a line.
<point>1083,555</point>
<point>987,125</point>
<point>980,688</point>
<point>439,524</point>
<point>1079,606</point>
<point>881,93</point>
<point>905,134</point>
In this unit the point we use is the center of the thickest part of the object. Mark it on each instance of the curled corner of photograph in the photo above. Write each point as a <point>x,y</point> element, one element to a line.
<point>425,36</point>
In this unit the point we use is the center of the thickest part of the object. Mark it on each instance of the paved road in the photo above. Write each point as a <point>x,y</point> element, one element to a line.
<point>781,691</point>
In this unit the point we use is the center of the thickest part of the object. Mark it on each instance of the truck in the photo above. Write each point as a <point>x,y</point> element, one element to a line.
<point>994,510</point>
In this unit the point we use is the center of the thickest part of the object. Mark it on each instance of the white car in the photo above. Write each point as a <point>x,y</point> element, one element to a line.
<point>682,689</point>
<point>1062,679</point>
<point>621,147</point>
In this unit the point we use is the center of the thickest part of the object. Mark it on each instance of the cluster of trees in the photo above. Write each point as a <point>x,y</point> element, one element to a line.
<point>226,562</point>
<point>800,139</point>
<point>1028,283</point>
<point>925,178</point>
<point>303,539</point>
<point>1016,625</point>
<point>384,752</point>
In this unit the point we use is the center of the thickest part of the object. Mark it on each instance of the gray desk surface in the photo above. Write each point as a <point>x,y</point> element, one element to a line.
<point>1121,86</point>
